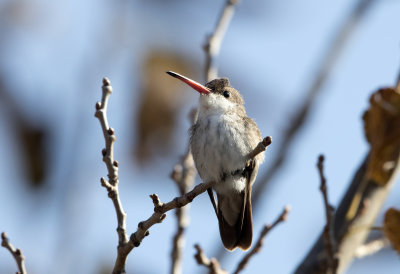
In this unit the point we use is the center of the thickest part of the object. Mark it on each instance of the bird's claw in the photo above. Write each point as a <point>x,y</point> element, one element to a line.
<point>250,164</point>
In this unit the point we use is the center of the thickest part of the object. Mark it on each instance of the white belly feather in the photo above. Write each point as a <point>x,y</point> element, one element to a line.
<point>219,148</point>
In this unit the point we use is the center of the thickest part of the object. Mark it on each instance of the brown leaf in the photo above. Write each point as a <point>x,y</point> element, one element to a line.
<point>32,139</point>
<point>382,130</point>
<point>33,144</point>
<point>391,227</point>
<point>161,100</point>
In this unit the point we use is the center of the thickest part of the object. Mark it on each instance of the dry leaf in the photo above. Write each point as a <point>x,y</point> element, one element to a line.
<point>391,227</point>
<point>32,138</point>
<point>382,130</point>
<point>161,100</point>
<point>33,144</point>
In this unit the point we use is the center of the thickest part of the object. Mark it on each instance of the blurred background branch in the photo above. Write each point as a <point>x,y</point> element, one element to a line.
<point>212,264</point>
<point>214,41</point>
<point>184,175</point>
<point>328,238</point>
<point>260,242</point>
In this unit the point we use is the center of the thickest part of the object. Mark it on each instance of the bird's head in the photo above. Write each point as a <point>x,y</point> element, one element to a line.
<point>216,96</point>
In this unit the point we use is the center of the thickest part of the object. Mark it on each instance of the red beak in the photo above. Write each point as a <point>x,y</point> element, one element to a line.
<point>199,87</point>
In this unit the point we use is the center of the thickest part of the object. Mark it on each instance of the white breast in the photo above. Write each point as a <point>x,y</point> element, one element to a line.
<point>218,146</point>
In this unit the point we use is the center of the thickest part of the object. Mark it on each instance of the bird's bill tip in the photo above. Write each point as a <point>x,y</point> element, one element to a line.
<point>193,84</point>
<point>173,74</point>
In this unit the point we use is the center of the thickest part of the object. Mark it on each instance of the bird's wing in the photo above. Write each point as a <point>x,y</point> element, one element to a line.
<point>253,137</point>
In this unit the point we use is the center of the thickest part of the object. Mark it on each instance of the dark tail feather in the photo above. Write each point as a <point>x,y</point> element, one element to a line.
<point>241,234</point>
<point>229,234</point>
<point>246,235</point>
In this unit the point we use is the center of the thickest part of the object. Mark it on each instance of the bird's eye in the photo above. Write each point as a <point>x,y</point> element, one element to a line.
<point>226,94</point>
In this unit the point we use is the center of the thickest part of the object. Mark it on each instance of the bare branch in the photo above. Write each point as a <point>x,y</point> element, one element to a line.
<point>214,41</point>
<point>112,184</point>
<point>212,264</point>
<point>161,208</point>
<point>329,240</point>
<point>257,247</point>
<point>371,247</point>
<point>261,147</point>
<point>16,252</point>
<point>183,174</point>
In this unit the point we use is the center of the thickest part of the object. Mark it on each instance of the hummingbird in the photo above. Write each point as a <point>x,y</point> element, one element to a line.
<point>220,141</point>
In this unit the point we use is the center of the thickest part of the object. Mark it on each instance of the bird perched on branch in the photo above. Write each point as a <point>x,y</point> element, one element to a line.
<point>221,141</point>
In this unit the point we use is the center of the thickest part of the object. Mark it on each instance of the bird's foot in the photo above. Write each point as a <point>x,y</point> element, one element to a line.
<point>250,164</point>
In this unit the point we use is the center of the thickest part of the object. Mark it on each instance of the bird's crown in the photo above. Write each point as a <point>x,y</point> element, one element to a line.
<point>218,84</point>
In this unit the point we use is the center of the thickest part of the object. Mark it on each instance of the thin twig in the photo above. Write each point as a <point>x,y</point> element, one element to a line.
<point>329,240</point>
<point>214,41</point>
<point>261,147</point>
<point>257,247</point>
<point>112,183</point>
<point>371,247</point>
<point>212,264</point>
<point>183,174</point>
<point>16,252</point>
